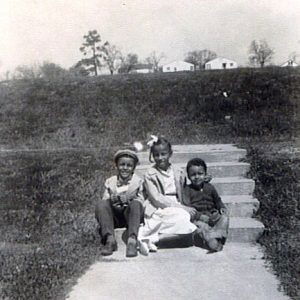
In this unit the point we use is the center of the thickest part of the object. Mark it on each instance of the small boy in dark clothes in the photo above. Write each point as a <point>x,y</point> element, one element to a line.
<point>211,217</point>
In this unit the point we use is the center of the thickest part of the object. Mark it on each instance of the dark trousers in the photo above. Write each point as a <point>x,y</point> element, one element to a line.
<point>110,218</point>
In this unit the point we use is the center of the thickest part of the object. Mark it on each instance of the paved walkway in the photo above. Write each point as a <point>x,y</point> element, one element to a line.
<point>238,272</point>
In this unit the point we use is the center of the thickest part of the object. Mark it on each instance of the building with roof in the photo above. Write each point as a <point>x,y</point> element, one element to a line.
<point>289,63</point>
<point>220,63</point>
<point>177,66</point>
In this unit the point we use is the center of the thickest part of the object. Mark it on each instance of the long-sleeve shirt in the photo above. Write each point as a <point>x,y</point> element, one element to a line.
<point>204,199</point>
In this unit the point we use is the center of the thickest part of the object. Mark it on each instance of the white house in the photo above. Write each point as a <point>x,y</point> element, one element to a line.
<point>221,63</point>
<point>178,65</point>
<point>290,63</point>
<point>142,68</point>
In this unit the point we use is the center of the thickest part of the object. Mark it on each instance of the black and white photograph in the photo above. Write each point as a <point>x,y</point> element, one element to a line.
<point>149,149</point>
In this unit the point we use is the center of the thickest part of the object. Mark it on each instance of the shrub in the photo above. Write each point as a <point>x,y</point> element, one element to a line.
<point>277,188</point>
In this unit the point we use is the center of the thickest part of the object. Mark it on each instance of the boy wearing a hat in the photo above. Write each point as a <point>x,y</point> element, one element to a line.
<point>121,204</point>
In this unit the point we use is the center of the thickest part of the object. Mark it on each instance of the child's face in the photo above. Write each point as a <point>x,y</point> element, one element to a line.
<point>196,175</point>
<point>161,156</point>
<point>125,166</point>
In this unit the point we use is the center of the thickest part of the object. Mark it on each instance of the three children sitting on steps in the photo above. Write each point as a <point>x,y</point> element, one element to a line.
<point>162,207</point>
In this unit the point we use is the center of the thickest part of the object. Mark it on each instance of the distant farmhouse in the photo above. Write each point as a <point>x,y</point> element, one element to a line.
<point>178,65</point>
<point>289,63</point>
<point>220,63</point>
<point>142,69</point>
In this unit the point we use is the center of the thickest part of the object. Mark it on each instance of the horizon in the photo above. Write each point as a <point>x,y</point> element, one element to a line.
<point>52,30</point>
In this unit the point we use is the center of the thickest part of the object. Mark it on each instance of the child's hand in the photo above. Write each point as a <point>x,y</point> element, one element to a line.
<point>123,199</point>
<point>114,198</point>
<point>191,210</point>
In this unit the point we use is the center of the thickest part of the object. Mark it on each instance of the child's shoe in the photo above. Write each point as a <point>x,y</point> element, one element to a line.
<point>143,247</point>
<point>152,247</point>
<point>110,246</point>
<point>214,245</point>
<point>131,249</point>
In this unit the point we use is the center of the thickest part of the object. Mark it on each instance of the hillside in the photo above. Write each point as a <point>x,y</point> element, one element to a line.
<point>47,199</point>
<point>110,110</point>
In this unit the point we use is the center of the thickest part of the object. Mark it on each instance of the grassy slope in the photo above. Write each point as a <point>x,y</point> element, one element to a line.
<point>276,174</point>
<point>58,189</point>
<point>107,111</point>
<point>56,230</point>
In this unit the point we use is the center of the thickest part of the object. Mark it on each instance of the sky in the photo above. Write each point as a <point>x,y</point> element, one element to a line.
<point>33,31</point>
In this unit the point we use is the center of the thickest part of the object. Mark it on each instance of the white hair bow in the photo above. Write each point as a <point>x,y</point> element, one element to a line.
<point>153,139</point>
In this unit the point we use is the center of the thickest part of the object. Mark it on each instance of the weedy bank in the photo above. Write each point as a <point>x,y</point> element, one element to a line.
<point>104,111</point>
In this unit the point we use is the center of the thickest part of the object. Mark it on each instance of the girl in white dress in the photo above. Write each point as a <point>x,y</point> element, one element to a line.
<point>165,216</point>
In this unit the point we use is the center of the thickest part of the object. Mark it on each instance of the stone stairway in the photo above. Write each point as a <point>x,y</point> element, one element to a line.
<point>223,161</point>
<point>190,272</point>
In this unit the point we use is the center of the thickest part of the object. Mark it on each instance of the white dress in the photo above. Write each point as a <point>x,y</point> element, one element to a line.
<point>169,220</point>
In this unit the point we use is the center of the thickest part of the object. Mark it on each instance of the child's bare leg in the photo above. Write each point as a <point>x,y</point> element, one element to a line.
<point>147,238</point>
<point>220,228</point>
<point>218,233</point>
<point>207,238</point>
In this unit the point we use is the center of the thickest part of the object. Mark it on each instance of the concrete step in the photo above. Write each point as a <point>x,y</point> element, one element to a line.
<point>209,153</point>
<point>233,186</point>
<point>216,169</point>
<point>244,230</point>
<point>241,230</point>
<point>241,205</point>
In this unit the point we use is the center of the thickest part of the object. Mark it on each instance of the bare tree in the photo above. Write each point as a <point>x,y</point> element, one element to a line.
<point>200,57</point>
<point>92,50</point>
<point>128,62</point>
<point>154,59</point>
<point>112,57</point>
<point>260,53</point>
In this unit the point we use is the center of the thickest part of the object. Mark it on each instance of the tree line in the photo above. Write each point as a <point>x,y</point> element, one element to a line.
<point>98,54</point>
